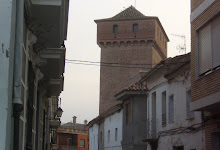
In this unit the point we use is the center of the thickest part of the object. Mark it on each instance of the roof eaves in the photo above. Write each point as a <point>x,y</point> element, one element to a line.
<point>123,95</point>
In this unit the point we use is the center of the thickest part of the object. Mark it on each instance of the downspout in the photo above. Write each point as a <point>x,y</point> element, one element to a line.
<point>17,76</point>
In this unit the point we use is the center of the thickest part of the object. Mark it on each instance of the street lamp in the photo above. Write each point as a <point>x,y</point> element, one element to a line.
<point>59,112</point>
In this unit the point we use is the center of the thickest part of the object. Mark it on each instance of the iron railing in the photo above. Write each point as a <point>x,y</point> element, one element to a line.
<point>151,132</point>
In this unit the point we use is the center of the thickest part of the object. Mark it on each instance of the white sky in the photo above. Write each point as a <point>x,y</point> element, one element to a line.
<point>81,83</point>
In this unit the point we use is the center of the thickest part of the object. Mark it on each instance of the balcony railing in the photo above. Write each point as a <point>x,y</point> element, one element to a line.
<point>151,132</point>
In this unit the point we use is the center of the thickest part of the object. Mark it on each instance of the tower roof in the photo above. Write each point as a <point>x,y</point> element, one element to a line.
<point>128,14</point>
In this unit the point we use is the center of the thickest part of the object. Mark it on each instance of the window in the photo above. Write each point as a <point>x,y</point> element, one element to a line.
<point>154,114</point>
<point>171,109</point>
<point>69,142</point>
<point>164,109</point>
<point>115,28</point>
<point>116,134</point>
<point>82,143</point>
<point>190,114</point>
<point>135,27</point>
<point>101,136</point>
<point>108,136</point>
<point>208,47</point>
<point>127,113</point>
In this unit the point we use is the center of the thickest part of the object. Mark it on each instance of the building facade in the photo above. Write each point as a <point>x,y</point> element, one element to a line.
<point>205,34</point>
<point>93,135</point>
<point>105,131</point>
<point>127,39</point>
<point>134,116</point>
<point>73,136</point>
<point>32,43</point>
<point>170,122</point>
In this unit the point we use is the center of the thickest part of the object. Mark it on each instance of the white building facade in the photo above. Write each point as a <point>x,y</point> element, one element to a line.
<point>113,131</point>
<point>29,50</point>
<point>170,123</point>
<point>93,137</point>
<point>105,131</point>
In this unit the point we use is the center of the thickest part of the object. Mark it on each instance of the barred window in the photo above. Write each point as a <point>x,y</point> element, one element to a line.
<point>209,47</point>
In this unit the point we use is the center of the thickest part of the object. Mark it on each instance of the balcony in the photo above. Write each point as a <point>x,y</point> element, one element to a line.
<point>54,124</point>
<point>151,135</point>
<point>51,30</point>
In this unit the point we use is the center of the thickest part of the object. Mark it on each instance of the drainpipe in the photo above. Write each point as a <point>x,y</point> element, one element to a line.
<point>17,76</point>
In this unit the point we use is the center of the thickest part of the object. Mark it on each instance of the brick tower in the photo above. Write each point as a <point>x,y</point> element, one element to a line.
<point>127,38</point>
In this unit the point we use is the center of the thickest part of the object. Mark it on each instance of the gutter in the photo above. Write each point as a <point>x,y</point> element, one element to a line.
<point>17,75</point>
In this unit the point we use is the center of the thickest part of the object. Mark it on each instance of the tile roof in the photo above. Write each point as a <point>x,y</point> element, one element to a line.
<point>127,14</point>
<point>75,126</point>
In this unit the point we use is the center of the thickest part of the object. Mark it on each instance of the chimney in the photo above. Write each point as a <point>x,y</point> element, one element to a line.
<point>74,119</point>
<point>85,122</point>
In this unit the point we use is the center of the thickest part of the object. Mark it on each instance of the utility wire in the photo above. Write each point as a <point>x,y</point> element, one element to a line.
<point>107,63</point>
<point>110,65</point>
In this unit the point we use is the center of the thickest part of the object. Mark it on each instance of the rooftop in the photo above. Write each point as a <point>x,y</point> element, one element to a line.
<point>128,14</point>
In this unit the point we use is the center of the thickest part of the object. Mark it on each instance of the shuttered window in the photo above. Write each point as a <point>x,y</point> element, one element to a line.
<point>216,42</point>
<point>209,47</point>
<point>205,57</point>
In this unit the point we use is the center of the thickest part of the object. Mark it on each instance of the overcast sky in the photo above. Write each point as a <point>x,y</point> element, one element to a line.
<point>81,83</point>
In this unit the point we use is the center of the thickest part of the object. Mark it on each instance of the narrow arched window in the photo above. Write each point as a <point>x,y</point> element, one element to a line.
<point>135,27</point>
<point>115,28</point>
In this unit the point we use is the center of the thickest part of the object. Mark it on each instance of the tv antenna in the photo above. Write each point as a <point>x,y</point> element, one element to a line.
<point>181,47</point>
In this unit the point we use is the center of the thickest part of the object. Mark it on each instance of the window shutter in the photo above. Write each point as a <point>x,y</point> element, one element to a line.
<point>205,55</point>
<point>216,42</point>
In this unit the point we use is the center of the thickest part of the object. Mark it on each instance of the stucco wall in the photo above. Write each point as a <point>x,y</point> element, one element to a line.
<point>177,87</point>
<point>134,132</point>
<point>7,30</point>
<point>93,137</point>
<point>110,123</point>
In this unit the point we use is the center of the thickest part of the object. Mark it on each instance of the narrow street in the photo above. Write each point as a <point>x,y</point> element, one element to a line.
<point>109,75</point>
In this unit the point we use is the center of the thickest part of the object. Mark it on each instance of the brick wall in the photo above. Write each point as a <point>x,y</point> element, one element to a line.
<point>210,83</point>
<point>125,30</point>
<point>115,79</point>
<point>126,47</point>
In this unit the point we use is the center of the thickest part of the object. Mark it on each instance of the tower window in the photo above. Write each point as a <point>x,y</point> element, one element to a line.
<point>115,28</point>
<point>135,27</point>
